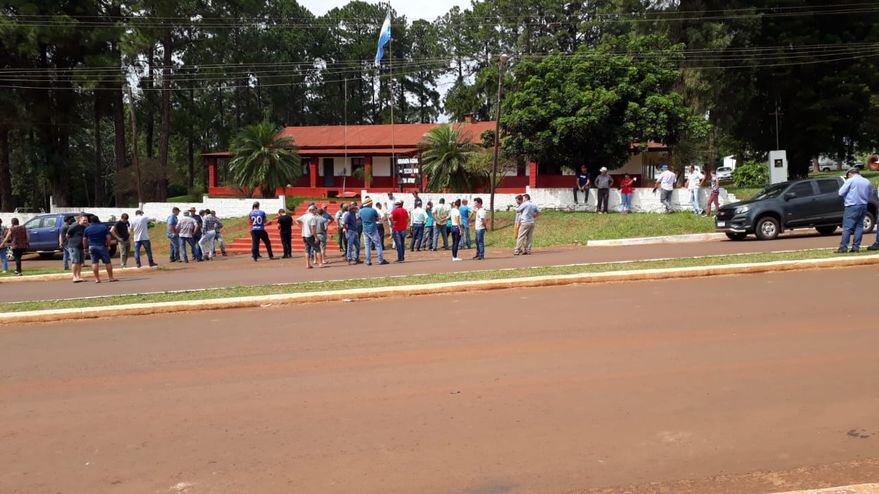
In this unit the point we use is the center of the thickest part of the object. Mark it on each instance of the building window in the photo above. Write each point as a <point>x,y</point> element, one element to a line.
<point>356,164</point>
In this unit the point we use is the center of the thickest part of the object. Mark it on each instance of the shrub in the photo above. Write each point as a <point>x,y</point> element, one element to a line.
<point>752,174</point>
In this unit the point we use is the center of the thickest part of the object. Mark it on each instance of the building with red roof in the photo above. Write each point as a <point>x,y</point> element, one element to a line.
<point>341,160</point>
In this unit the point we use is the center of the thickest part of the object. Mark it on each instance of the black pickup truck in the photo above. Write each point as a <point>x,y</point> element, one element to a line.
<point>812,203</point>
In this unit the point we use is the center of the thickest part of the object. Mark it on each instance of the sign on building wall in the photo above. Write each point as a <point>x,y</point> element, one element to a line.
<point>409,171</point>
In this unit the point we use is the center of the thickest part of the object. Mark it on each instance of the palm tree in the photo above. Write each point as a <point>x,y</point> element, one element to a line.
<point>445,153</point>
<point>264,159</point>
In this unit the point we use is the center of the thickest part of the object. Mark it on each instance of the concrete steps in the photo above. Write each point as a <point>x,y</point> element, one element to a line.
<point>242,245</point>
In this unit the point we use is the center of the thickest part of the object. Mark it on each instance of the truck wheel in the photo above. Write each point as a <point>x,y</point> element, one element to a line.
<point>826,230</point>
<point>736,236</point>
<point>767,228</point>
<point>869,222</point>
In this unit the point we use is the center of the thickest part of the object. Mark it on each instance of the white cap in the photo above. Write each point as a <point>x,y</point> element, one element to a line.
<point>603,169</point>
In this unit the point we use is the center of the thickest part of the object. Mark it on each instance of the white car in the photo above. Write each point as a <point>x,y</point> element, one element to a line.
<point>724,173</point>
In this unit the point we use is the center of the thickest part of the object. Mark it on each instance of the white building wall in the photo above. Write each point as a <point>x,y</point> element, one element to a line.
<point>225,208</point>
<point>381,166</point>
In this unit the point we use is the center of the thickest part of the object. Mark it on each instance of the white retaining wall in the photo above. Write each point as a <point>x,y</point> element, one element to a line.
<point>643,200</point>
<point>225,208</point>
<point>22,217</point>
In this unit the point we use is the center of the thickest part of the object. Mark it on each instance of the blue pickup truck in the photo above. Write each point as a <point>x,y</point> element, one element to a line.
<point>45,229</point>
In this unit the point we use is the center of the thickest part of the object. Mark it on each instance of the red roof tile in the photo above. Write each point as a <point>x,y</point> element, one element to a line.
<point>371,136</point>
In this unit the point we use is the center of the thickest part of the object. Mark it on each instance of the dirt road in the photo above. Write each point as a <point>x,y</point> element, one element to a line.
<point>240,270</point>
<point>755,384</point>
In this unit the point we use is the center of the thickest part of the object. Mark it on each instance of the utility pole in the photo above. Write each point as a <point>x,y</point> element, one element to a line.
<point>134,151</point>
<point>502,61</point>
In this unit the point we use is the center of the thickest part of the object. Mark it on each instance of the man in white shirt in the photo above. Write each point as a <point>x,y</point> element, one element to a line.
<point>479,226</point>
<point>694,182</point>
<point>308,222</point>
<point>187,228</point>
<point>666,184</point>
<point>418,217</point>
<point>140,229</point>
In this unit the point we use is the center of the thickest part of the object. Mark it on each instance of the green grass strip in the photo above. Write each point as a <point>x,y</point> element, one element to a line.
<point>391,281</point>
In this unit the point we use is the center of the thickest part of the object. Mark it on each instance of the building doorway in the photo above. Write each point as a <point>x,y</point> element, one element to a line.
<point>329,172</point>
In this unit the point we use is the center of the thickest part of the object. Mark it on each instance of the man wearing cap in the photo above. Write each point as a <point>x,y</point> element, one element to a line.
<point>694,183</point>
<point>370,219</point>
<point>257,219</point>
<point>399,226</point>
<point>665,182</point>
<point>603,182</point>
<point>856,193</point>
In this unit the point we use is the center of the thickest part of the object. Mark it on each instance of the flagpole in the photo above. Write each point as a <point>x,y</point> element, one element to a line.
<point>393,135</point>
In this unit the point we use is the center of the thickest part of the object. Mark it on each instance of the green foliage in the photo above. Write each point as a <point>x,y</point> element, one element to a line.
<point>590,106</point>
<point>445,154</point>
<point>751,175</point>
<point>263,159</point>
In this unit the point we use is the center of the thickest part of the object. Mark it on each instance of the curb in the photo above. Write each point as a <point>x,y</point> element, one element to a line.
<point>430,289</point>
<point>67,276</point>
<point>846,489</point>
<point>668,239</point>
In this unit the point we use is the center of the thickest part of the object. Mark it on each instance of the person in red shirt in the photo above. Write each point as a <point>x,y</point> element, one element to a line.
<point>627,189</point>
<point>400,226</point>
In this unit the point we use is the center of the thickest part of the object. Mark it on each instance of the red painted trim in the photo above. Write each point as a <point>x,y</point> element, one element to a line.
<point>532,171</point>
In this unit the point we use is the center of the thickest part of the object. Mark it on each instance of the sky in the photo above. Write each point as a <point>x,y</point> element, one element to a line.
<point>412,9</point>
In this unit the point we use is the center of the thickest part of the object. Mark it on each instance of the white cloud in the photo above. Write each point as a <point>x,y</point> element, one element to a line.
<point>412,9</point>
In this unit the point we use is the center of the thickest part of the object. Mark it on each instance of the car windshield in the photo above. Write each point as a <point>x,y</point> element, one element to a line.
<point>771,192</point>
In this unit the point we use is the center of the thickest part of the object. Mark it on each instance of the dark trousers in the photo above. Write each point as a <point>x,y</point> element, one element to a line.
<point>444,233</point>
<point>400,244</point>
<point>149,251</point>
<point>255,237</point>
<point>585,195</point>
<point>16,254</point>
<point>456,241</point>
<point>417,235</point>
<point>381,233</point>
<point>193,246</point>
<point>603,196</point>
<point>287,244</point>
<point>342,240</point>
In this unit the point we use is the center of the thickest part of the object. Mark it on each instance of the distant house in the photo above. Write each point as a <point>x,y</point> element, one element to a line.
<point>342,160</point>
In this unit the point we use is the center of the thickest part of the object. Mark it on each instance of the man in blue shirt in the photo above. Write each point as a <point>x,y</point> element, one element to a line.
<point>369,217</point>
<point>857,191</point>
<point>583,182</point>
<point>525,216</point>
<point>465,224</point>
<point>174,235</point>
<point>97,239</point>
<point>258,232</point>
<point>350,223</point>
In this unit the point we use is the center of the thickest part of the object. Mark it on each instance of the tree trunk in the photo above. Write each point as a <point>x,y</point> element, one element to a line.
<point>165,138</point>
<point>5,175</point>
<point>119,144</point>
<point>148,101</point>
<point>98,174</point>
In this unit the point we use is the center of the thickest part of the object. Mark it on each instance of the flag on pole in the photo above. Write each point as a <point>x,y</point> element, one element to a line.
<point>383,37</point>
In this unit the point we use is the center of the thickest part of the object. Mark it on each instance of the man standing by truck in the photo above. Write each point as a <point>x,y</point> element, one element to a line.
<point>75,251</point>
<point>120,231</point>
<point>856,192</point>
<point>97,238</point>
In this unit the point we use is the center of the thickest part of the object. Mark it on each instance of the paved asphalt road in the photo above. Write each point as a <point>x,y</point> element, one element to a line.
<point>240,270</point>
<point>752,384</point>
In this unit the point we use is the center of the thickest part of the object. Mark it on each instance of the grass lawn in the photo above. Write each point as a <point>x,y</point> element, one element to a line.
<point>232,229</point>
<point>577,228</point>
<point>29,272</point>
<point>306,287</point>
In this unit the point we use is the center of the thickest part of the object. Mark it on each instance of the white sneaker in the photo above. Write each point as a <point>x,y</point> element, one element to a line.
<point>456,259</point>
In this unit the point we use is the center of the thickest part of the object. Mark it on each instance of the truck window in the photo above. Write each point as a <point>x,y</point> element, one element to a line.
<point>802,189</point>
<point>828,186</point>
<point>34,223</point>
<point>49,222</point>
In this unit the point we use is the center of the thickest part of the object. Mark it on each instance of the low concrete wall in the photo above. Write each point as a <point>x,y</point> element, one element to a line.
<point>22,217</point>
<point>225,208</point>
<point>644,200</point>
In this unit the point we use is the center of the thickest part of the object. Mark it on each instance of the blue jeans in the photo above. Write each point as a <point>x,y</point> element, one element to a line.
<point>5,261</point>
<point>480,243</point>
<point>373,241</point>
<point>400,243</point>
<point>417,237</point>
<point>694,200</point>
<point>431,236</point>
<point>184,241</point>
<point>465,231</point>
<point>443,232</point>
<point>174,244</point>
<point>65,258</point>
<point>456,241</point>
<point>149,251</point>
<point>627,203</point>
<point>352,253</point>
<point>853,223</point>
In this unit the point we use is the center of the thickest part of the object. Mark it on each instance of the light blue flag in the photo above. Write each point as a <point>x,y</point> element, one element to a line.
<point>383,37</point>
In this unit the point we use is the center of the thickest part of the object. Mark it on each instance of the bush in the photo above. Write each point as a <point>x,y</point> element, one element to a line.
<point>751,175</point>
